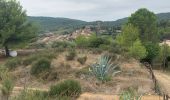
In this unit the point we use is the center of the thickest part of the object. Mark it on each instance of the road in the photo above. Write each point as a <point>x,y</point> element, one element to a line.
<point>164,81</point>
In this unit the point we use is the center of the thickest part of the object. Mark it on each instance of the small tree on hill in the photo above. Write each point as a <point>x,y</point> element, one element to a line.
<point>128,36</point>
<point>14,27</point>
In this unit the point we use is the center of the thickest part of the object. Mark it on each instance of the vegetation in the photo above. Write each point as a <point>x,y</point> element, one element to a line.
<point>13,63</point>
<point>71,54</point>
<point>62,25</point>
<point>32,95</point>
<point>129,94</point>
<point>42,54</point>
<point>70,88</point>
<point>14,27</point>
<point>103,68</point>
<point>137,50</point>
<point>41,65</point>
<point>82,60</point>
<point>146,22</point>
<point>7,85</point>
<point>128,36</point>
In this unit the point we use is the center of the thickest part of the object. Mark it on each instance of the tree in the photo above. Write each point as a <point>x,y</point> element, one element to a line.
<point>153,50</point>
<point>14,27</point>
<point>128,36</point>
<point>146,22</point>
<point>137,50</point>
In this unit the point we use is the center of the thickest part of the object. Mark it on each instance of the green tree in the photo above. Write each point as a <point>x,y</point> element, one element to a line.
<point>128,36</point>
<point>14,27</point>
<point>146,22</point>
<point>153,50</point>
<point>137,50</point>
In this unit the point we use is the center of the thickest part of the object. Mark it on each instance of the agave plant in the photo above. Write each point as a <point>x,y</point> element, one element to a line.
<point>103,68</point>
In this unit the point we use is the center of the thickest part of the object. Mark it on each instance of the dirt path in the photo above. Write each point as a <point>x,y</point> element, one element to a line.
<point>90,96</point>
<point>164,81</point>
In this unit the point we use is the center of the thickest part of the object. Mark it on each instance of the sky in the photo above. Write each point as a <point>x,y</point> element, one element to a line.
<point>92,10</point>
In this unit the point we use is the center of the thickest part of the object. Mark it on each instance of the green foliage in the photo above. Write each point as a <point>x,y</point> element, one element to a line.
<point>14,27</point>
<point>128,36</point>
<point>43,54</point>
<point>103,68</point>
<point>71,54</point>
<point>32,95</point>
<point>82,60</point>
<point>95,42</point>
<point>81,41</point>
<point>137,50</point>
<point>7,85</point>
<point>153,50</point>
<point>70,88</point>
<point>129,94</point>
<point>41,65</point>
<point>12,63</point>
<point>62,44</point>
<point>146,22</point>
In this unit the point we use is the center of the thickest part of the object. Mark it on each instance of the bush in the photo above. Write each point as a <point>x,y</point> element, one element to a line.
<point>62,44</point>
<point>32,95</point>
<point>37,46</point>
<point>81,41</point>
<point>82,60</point>
<point>70,88</point>
<point>43,54</point>
<point>130,94</point>
<point>71,54</point>
<point>137,50</point>
<point>83,71</point>
<point>41,65</point>
<point>95,42</point>
<point>13,63</point>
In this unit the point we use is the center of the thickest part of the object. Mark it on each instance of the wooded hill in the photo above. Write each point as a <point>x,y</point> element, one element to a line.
<point>61,25</point>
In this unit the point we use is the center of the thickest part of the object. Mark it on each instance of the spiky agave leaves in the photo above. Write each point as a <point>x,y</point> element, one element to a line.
<point>103,68</point>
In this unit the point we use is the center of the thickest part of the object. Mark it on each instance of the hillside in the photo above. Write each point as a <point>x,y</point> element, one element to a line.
<point>54,24</point>
<point>66,25</point>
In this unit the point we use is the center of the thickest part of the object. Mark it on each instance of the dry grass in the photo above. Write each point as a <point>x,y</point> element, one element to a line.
<point>132,75</point>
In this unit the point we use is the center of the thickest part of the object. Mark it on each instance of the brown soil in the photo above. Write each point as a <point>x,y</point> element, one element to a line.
<point>90,96</point>
<point>164,81</point>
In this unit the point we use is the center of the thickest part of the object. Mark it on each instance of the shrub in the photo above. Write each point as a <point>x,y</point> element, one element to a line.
<point>62,44</point>
<point>81,41</point>
<point>32,95</point>
<point>41,65</point>
<point>70,88</point>
<point>129,94</point>
<point>7,86</point>
<point>43,54</point>
<point>95,42</point>
<point>83,71</point>
<point>37,46</point>
<point>137,50</point>
<point>103,68</point>
<point>71,54</point>
<point>82,60</point>
<point>13,63</point>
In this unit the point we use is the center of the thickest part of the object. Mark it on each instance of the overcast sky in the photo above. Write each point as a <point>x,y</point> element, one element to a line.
<point>91,10</point>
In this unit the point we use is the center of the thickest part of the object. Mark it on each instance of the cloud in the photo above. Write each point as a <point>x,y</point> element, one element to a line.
<point>91,10</point>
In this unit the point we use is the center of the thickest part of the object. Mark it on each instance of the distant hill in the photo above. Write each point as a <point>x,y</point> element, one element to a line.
<point>67,25</point>
<point>54,24</point>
